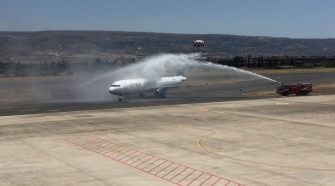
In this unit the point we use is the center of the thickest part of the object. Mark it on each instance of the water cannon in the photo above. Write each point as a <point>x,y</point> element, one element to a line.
<point>199,44</point>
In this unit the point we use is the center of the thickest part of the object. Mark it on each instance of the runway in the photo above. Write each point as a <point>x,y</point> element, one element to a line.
<point>272,141</point>
<point>216,129</point>
<point>52,94</point>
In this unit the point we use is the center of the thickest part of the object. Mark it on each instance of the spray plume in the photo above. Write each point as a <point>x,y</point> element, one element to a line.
<point>161,65</point>
<point>94,88</point>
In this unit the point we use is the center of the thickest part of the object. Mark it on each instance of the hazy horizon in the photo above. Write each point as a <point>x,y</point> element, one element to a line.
<point>83,30</point>
<point>286,18</point>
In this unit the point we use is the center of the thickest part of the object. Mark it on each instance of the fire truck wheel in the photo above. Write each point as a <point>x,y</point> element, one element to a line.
<point>284,94</point>
<point>304,93</point>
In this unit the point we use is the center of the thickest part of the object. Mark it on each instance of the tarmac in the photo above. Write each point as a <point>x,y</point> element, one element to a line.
<point>271,141</point>
<point>30,95</point>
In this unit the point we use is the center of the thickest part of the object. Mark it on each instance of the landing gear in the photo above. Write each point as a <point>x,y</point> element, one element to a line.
<point>161,93</point>
<point>120,98</point>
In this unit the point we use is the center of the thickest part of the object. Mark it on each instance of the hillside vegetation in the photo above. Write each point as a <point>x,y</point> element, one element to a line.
<point>16,44</point>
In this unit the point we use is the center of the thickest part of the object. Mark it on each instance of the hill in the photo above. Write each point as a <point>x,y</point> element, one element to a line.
<point>27,44</point>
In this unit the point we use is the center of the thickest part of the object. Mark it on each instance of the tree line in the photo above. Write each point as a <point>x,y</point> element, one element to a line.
<point>275,61</point>
<point>68,68</point>
<point>54,68</point>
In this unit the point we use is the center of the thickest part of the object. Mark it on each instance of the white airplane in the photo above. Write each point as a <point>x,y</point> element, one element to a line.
<point>141,86</point>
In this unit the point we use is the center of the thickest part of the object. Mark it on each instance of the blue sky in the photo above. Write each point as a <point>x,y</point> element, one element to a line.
<point>284,18</point>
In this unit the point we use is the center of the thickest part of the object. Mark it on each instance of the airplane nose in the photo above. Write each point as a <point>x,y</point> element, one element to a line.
<point>111,90</point>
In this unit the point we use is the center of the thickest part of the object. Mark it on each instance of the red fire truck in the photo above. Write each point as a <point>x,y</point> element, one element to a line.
<point>297,89</point>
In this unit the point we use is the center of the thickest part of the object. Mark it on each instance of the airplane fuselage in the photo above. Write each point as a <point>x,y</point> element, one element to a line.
<point>133,86</point>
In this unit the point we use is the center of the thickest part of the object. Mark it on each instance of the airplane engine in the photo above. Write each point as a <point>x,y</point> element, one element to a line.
<point>161,92</point>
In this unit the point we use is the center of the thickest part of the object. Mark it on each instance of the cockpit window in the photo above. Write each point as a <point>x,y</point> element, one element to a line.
<point>115,85</point>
